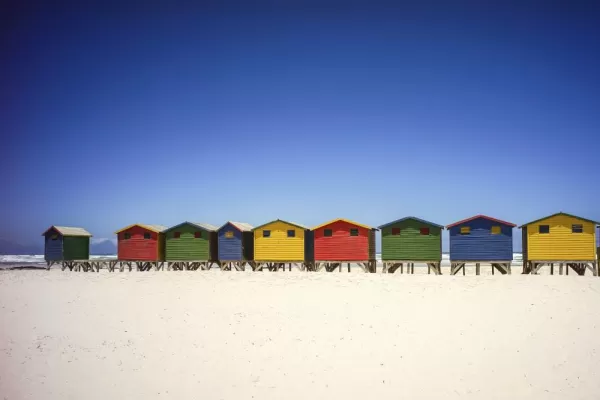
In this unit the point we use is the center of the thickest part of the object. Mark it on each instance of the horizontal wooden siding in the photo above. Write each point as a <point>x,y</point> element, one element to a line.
<point>409,244</point>
<point>341,246</point>
<point>187,247</point>
<point>137,248</point>
<point>76,248</point>
<point>53,249</point>
<point>481,244</point>
<point>230,248</point>
<point>279,247</point>
<point>561,243</point>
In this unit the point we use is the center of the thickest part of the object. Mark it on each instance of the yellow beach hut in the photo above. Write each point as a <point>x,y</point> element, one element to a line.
<point>563,239</point>
<point>277,243</point>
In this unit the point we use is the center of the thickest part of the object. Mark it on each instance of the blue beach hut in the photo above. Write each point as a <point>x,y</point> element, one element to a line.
<point>481,239</point>
<point>65,243</point>
<point>236,244</point>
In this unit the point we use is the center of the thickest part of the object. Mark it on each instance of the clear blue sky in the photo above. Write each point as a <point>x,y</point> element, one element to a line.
<point>111,116</point>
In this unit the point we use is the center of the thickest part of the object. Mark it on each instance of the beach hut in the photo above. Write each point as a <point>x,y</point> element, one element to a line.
<point>341,240</point>
<point>409,240</point>
<point>563,239</point>
<point>236,245</point>
<point>141,244</point>
<point>279,242</point>
<point>191,246</point>
<point>66,243</point>
<point>481,239</point>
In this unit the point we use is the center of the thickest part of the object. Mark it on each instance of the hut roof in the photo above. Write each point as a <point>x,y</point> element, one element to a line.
<point>414,218</point>
<point>285,222</point>
<point>560,213</point>
<point>241,226</point>
<point>481,216</point>
<point>68,231</point>
<point>343,220</point>
<point>153,228</point>
<point>201,225</point>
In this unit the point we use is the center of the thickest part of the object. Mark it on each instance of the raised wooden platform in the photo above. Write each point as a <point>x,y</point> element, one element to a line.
<point>578,266</point>
<point>203,265</point>
<point>84,265</point>
<point>229,265</point>
<point>391,266</point>
<point>503,266</point>
<point>109,264</point>
<point>330,265</point>
<point>260,265</point>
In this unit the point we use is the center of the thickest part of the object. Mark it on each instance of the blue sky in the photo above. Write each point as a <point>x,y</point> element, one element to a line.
<point>307,113</point>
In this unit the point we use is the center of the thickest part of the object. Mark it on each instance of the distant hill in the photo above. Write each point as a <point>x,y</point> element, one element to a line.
<point>7,248</point>
<point>103,248</point>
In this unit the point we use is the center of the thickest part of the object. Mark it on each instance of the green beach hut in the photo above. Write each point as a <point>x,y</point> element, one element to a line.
<point>191,245</point>
<point>409,240</point>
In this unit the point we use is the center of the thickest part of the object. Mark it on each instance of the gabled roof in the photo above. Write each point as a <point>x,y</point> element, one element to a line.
<point>560,213</point>
<point>153,228</point>
<point>280,220</point>
<point>464,221</point>
<point>241,226</point>
<point>68,231</point>
<point>343,220</point>
<point>413,218</point>
<point>201,225</point>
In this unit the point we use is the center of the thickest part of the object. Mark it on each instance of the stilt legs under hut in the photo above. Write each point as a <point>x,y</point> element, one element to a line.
<point>275,266</point>
<point>231,265</point>
<point>330,266</point>
<point>85,265</point>
<point>578,266</point>
<point>201,265</point>
<point>504,267</point>
<point>391,266</point>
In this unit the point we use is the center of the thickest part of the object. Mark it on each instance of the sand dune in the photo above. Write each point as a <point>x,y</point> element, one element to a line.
<point>294,335</point>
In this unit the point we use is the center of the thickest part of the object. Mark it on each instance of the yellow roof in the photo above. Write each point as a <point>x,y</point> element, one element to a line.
<point>343,220</point>
<point>153,228</point>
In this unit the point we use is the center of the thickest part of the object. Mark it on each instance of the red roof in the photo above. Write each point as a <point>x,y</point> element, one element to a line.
<point>481,216</point>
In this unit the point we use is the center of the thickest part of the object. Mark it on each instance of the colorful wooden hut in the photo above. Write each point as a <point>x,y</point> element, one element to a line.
<point>341,240</point>
<point>563,239</point>
<point>65,243</point>
<point>191,246</point>
<point>277,243</point>
<point>481,239</point>
<point>236,245</point>
<point>409,240</point>
<point>141,243</point>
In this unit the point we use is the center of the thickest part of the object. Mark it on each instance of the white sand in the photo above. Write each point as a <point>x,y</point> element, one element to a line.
<point>244,335</point>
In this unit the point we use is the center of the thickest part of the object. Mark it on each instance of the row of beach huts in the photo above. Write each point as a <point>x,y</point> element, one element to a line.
<point>561,239</point>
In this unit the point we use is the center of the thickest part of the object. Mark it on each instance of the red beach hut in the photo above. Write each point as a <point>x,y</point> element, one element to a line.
<point>344,240</point>
<point>140,242</point>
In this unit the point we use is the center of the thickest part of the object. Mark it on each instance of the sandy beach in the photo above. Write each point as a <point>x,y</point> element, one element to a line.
<point>294,335</point>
